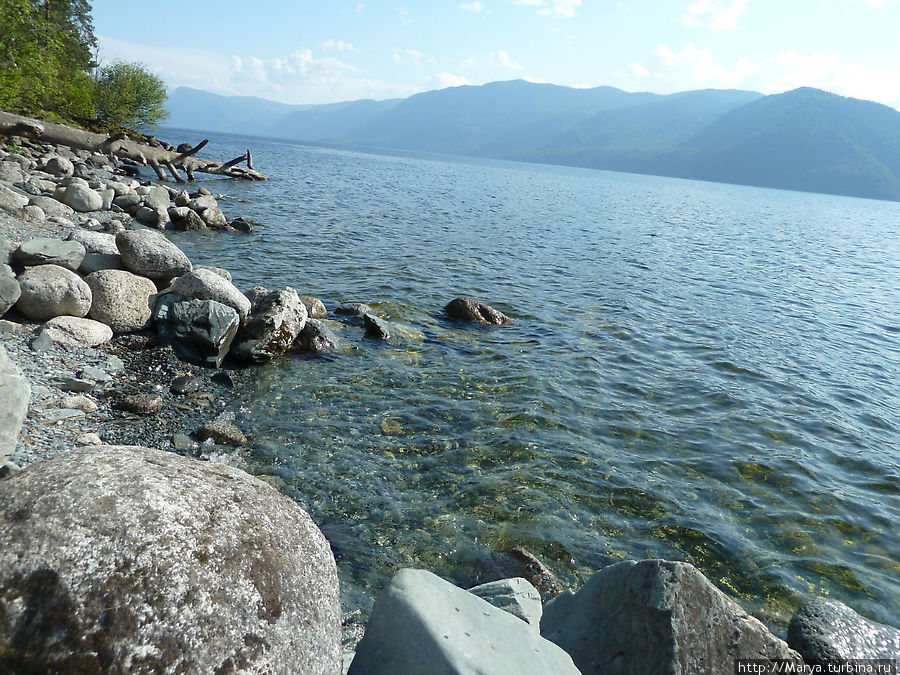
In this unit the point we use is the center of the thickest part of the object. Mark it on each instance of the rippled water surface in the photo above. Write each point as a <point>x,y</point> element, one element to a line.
<point>696,371</point>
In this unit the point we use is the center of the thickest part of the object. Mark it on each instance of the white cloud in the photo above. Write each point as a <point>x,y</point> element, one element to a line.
<point>360,7</point>
<point>404,15</point>
<point>713,14</point>
<point>445,80</point>
<point>500,59</point>
<point>780,72</point>
<point>636,71</point>
<point>564,8</point>
<point>300,77</point>
<point>472,6</point>
<point>410,57</point>
<point>338,45</point>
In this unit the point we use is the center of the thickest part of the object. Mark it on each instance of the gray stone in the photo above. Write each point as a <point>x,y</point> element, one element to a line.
<point>72,384</point>
<point>94,242</point>
<point>78,402</point>
<point>221,271</point>
<point>157,198</point>
<point>315,308</point>
<point>6,249</point>
<point>9,293</point>
<point>185,384</point>
<point>97,374</point>
<point>181,442</point>
<point>52,207</point>
<point>655,616</point>
<point>141,404</point>
<point>206,285</point>
<point>243,225</point>
<point>41,343</point>
<point>148,562</point>
<point>128,201</point>
<point>46,251</point>
<point>376,327</point>
<point>354,309</point>
<point>107,195</point>
<point>182,198</point>
<point>10,200</point>
<point>200,331</point>
<point>214,218</point>
<point>152,217</point>
<point>61,414</point>
<point>89,438</point>
<point>829,631</point>
<point>32,214</point>
<point>82,199</point>
<point>423,624</point>
<point>59,166</point>
<point>473,311</point>
<point>316,338</point>
<point>275,322</point>
<point>15,392</point>
<point>148,253</point>
<point>11,172</point>
<point>95,262</point>
<point>203,202</point>
<point>49,291</point>
<point>222,431</point>
<point>185,219</point>
<point>122,300</point>
<point>70,330</point>
<point>516,596</point>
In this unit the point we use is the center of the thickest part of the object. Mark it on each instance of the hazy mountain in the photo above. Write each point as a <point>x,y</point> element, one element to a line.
<point>804,139</point>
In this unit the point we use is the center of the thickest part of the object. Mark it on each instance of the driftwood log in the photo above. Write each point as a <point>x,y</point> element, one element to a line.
<point>157,157</point>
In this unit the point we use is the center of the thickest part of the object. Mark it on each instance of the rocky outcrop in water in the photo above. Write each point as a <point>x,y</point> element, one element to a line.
<point>421,623</point>
<point>473,311</point>
<point>829,631</point>
<point>655,616</point>
<point>125,559</point>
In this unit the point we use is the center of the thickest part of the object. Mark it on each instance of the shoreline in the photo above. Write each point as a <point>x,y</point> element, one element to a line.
<point>148,369</point>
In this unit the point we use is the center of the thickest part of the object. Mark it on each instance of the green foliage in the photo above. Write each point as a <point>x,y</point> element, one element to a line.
<point>128,95</point>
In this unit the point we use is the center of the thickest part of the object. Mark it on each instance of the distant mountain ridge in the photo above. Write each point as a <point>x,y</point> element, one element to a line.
<point>805,139</point>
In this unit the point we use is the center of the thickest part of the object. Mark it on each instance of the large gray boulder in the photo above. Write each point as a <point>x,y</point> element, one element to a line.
<point>49,291</point>
<point>11,172</point>
<point>655,616</point>
<point>95,242</point>
<point>829,631</point>
<point>516,596</point>
<point>59,167</point>
<point>275,322</point>
<point>81,198</point>
<point>122,300</point>
<point>157,198</point>
<point>47,251</point>
<point>51,206</point>
<point>199,331</point>
<point>15,392</point>
<point>131,560</point>
<point>149,254</point>
<point>10,200</point>
<point>71,330</point>
<point>473,311</point>
<point>204,284</point>
<point>423,624</point>
<point>183,218</point>
<point>9,291</point>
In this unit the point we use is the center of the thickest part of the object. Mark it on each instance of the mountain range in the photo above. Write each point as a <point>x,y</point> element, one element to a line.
<point>805,139</point>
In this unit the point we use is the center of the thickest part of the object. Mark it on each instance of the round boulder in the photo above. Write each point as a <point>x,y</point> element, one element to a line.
<point>46,251</point>
<point>51,207</point>
<point>149,254</point>
<point>204,284</point>
<point>71,330</point>
<point>122,300</point>
<point>95,242</point>
<point>126,559</point>
<point>314,307</point>
<point>82,198</point>
<point>59,166</point>
<point>48,291</point>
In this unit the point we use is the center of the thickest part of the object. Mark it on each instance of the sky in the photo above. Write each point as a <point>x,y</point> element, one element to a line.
<point>326,51</point>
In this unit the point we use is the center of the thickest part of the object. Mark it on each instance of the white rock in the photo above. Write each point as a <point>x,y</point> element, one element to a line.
<point>70,330</point>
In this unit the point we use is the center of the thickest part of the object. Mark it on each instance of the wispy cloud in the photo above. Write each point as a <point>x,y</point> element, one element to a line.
<point>714,14</point>
<point>404,15</point>
<point>410,57</point>
<point>444,80</point>
<point>338,45</point>
<point>472,7</point>
<point>299,77</point>
<point>566,9</point>
<point>497,59</point>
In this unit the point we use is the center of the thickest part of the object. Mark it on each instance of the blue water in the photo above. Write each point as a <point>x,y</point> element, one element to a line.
<point>695,371</point>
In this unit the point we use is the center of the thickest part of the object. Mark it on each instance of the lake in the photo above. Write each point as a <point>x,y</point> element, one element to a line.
<point>695,371</point>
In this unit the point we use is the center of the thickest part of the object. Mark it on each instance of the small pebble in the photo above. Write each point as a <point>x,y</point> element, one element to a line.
<point>185,384</point>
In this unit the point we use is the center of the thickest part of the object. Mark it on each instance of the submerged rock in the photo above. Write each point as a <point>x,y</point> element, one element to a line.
<point>473,311</point>
<point>423,624</point>
<point>655,616</point>
<point>827,630</point>
<point>151,562</point>
<point>316,338</point>
<point>354,309</point>
<point>377,327</point>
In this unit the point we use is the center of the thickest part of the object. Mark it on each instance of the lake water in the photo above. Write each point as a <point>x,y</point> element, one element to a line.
<point>695,371</point>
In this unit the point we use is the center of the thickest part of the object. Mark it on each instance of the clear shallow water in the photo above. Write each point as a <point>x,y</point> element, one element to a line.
<point>696,371</point>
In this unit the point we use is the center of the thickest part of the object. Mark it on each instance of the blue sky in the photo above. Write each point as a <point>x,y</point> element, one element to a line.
<point>321,52</point>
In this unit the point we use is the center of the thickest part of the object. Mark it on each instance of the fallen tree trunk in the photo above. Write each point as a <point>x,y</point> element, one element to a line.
<point>156,157</point>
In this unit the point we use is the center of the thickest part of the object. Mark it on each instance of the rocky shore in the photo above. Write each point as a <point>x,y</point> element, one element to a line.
<point>134,541</point>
